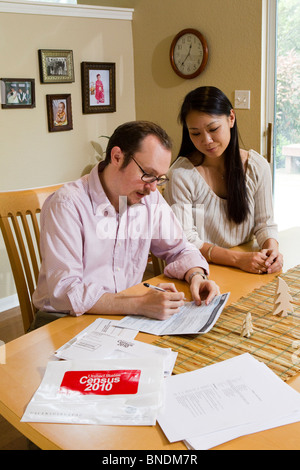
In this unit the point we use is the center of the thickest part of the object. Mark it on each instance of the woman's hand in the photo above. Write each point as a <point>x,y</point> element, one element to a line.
<point>260,262</point>
<point>274,261</point>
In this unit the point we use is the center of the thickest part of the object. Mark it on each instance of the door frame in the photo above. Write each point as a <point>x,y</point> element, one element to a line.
<point>268,80</point>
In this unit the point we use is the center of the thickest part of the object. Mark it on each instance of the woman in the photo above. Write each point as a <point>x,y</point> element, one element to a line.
<point>221,193</point>
<point>99,90</point>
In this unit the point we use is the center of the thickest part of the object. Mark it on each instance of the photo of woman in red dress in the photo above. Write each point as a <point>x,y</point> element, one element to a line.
<point>99,93</point>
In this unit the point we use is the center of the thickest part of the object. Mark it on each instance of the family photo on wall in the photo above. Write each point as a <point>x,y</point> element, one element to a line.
<point>98,87</point>
<point>59,112</point>
<point>17,93</point>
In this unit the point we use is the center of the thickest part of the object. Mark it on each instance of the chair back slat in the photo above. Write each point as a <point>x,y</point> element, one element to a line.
<point>25,253</point>
<point>26,306</point>
<point>36,229</point>
<point>32,241</point>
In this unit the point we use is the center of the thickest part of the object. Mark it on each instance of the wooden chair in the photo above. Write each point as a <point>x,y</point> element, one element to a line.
<point>19,223</point>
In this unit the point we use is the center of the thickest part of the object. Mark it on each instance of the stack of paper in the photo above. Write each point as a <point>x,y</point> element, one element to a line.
<point>106,377</point>
<point>223,401</point>
<point>104,340</point>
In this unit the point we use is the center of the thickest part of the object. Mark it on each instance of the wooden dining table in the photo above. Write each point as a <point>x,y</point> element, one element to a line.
<point>28,355</point>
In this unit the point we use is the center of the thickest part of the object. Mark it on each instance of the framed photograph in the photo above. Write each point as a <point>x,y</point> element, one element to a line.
<point>59,111</point>
<point>98,82</point>
<point>17,93</point>
<point>56,66</point>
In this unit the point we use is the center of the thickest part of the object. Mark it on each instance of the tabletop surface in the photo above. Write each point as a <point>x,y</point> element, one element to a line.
<point>27,357</point>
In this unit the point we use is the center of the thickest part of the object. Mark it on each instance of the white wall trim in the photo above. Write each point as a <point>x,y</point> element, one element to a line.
<point>54,9</point>
<point>6,303</point>
<point>268,79</point>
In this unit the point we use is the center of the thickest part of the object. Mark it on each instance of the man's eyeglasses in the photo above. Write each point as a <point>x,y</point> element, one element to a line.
<point>160,180</point>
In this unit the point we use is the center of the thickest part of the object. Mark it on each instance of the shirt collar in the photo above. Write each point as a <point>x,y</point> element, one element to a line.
<point>96,191</point>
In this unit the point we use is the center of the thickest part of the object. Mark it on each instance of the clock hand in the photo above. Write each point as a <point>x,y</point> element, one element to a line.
<point>187,55</point>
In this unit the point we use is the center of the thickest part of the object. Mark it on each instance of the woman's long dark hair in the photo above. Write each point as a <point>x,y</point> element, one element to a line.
<point>211,100</point>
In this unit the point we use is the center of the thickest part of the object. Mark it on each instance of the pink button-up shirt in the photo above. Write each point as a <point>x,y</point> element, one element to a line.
<point>89,249</point>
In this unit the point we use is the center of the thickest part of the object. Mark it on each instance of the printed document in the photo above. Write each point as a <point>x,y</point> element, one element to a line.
<point>191,319</point>
<point>225,400</point>
<point>102,339</point>
<point>90,339</point>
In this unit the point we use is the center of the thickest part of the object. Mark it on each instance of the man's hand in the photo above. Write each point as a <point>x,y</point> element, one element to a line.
<point>202,289</point>
<point>156,304</point>
<point>161,305</point>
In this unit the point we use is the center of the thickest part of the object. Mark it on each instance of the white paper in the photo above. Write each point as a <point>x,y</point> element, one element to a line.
<point>238,392</point>
<point>90,339</point>
<point>53,404</point>
<point>94,346</point>
<point>207,441</point>
<point>191,319</point>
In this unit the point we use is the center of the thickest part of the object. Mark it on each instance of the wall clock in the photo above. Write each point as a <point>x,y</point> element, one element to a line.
<point>189,53</point>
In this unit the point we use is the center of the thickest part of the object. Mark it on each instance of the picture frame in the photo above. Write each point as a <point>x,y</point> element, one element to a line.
<point>59,112</point>
<point>56,66</point>
<point>17,93</point>
<point>98,80</point>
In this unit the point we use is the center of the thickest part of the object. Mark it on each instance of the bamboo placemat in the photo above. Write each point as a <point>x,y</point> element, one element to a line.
<point>275,341</point>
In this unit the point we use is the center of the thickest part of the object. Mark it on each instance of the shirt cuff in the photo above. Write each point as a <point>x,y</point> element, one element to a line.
<point>83,297</point>
<point>264,235</point>
<point>178,268</point>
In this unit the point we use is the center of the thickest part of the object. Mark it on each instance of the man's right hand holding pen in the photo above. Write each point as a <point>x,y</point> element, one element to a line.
<point>159,302</point>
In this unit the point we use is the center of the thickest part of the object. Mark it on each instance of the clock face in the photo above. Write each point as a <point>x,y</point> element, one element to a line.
<point>189,54</point>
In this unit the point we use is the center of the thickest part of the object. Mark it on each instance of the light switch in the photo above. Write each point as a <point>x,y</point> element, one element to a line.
<point>242,99</point>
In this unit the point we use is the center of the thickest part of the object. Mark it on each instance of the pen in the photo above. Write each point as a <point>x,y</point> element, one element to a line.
<point>156,288</point>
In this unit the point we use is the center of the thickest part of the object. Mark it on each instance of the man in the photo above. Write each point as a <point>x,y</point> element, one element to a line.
<point>96,234</point>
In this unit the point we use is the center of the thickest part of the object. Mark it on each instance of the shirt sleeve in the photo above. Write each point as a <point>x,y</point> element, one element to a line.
<point>62,249</point>
<point>265,226</point>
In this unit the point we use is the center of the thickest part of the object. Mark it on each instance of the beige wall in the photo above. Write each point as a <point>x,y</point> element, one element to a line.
<point>233,31</point>
<point>29,154</point>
